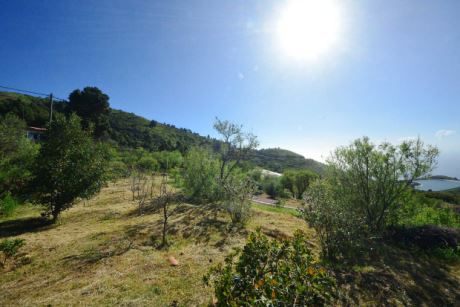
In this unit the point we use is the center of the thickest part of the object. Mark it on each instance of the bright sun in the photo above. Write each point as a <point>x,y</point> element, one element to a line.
<point>308,28</point>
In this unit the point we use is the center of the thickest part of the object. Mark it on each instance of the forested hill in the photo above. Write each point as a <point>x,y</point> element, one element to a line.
<point>129,130</point>
<point>279,160</point>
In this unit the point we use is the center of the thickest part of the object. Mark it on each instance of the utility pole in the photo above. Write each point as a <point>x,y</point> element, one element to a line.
<point>51,108</point>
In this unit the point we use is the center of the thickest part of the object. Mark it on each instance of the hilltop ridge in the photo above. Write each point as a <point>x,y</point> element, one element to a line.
<point>129,130</point>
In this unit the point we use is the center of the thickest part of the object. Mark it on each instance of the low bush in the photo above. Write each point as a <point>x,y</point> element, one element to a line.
<point>237,199</point>
<point>447,197</point>
<point>271,273</point>
<point>341,232</point>
<point>273,187</point>
<point>7,205</point>
<point>418,210</point>
<point>9,248</point>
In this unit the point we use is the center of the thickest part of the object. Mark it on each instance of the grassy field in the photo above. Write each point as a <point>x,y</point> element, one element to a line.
<point>103,253</point>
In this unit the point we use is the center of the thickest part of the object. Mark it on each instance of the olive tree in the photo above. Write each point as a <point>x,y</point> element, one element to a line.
<point>234,147</point>
<point>70,165</point>
<point>365,185</point>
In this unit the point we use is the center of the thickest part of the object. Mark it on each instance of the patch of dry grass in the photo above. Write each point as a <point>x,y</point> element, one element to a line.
<point>103,253</point>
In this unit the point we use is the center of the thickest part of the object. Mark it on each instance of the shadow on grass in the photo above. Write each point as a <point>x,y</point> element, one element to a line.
<point>20,226</point>
<point>198,223</point>
<point>396,276</point>
<point>111,248</point>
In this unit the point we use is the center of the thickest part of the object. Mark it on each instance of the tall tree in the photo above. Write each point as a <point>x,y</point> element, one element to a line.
<point>92,105</point>
<point>71,165</point>
<point>234,147</point>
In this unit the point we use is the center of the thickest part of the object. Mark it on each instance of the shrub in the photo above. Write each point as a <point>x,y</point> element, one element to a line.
<point>298,181</point>
<point>273,187</point>
<point>418,210</point>
<point>17,156</point>
<point>448,197</point>
<point>200,176</point>
<point>373,180</point>
<point>340,230</point>
<point>271,273</point>
<point>7,205</point>
<point>237,199</point>
<point>9,248</point>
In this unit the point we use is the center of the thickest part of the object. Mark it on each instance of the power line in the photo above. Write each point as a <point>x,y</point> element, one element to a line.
<point>30,92</point>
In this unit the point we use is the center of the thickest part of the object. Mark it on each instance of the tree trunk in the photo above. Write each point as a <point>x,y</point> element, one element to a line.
<point>164,241</point>
<point>55,215</point>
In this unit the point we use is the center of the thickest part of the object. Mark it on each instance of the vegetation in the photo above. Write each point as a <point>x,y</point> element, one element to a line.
<point>7,205</point>
<point>363,191</point>
<point>280,160</point>
<point>273,187</point>
<point>92,106</point>
<point>9,248</point>
<point>70,166</point>
<point>130,131</point>
<point>104,249</point>
<point>363,201</point>
<point>199,176</point>
<point>17,156</point>
<point>271,273</point>
<point>419,209</point>
<point>163,202</point>
<point>297,182</point>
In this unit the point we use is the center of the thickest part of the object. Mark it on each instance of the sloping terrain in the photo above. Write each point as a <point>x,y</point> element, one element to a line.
<point>129,130</point>
<point>103,253</point>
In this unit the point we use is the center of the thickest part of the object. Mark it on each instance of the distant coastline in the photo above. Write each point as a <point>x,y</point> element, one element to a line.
<point>439,177</point>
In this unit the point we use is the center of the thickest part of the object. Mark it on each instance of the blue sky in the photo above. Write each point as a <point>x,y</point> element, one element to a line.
<point>393,74</point>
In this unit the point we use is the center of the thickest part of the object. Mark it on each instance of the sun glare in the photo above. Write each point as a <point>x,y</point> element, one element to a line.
<point>308,28</point>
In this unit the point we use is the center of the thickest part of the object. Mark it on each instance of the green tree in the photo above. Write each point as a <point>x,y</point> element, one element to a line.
<point>273,187</point>
<point>364,187</point>
<point>298,181</point>
<point>71,165</point>
<point>17,155</point>
<point>375,178</point>
<point>234,147</point>
<point>200,175</point>
<point>92,105</point>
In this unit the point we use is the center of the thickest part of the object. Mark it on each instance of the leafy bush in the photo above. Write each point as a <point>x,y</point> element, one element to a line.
<point>7,205</point>
<point>9,248</point>
<point>373,180</point>
<point>418,210</point>
<point>271,273</point>
<point>168,160</point>
<point>273,187</point>
<point>298,181</point>
<point>237,199</point>
<point>200,176</point>
<point>340,230</point>
<point>448,197</point>
<point>17,156</point>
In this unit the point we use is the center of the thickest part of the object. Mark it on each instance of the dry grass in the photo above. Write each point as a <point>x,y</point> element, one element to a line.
<point>103,253</point>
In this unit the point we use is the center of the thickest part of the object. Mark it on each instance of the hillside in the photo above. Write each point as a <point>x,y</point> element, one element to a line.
<point>129,130</point>
<point>279,160</point>
<point>104,253</point>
